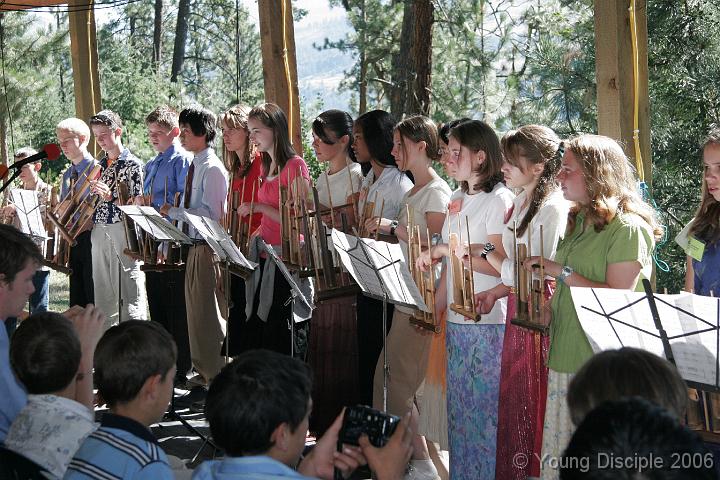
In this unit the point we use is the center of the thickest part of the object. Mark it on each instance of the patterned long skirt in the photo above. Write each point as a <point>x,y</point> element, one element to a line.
<point>523,392</point>
<point>473,380</point>
<point>558,427</point>
<point>432,404</point>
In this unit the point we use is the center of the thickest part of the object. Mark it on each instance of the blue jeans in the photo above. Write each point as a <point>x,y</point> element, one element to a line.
<point>38,301</point>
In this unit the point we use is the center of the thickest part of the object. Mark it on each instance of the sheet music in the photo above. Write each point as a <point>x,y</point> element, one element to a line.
<point>28,212</point>
<point>368,258</point>
<point>681,314</point>
<point>219,240</point>
<point>150,220</point>
<point>299,294</point>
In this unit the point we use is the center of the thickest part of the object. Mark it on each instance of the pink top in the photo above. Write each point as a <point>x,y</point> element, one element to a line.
<point>270,195</point>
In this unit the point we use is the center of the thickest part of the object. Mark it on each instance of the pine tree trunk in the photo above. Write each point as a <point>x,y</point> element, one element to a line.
<point>157,34</point>
<point>181,32</point>
<point>401,65</point>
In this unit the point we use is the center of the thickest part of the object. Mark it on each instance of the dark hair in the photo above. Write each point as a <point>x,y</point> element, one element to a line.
<point>706,225</point>
<point>337,122</point>
<point>108,118</point>
<point>127,355</point>
<point>237,117</point>
<point>254,394</point>
<point>626,372</point>
<point>274,118</point>
<point>477,136</point>
<point>419,128</point>
<point>201,121</point>
<point>444,128</point>
<point>16,251</point>
<point>613,440</point>
<point>539,145</point>
<point>377,128</point>
<point>45,352</point>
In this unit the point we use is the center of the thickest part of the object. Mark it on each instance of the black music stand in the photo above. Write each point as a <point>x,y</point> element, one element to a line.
<point>379,268</point>
<point>295,291</point>
<point>683,328</point>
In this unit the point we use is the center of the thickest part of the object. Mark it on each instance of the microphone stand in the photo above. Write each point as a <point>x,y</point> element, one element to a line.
<point>10,180</point>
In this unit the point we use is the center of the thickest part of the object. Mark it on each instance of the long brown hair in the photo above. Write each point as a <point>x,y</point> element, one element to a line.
<point>477,136</point>
<point>420,129</point>
<point>274,118</point>
<point>237,117</point>
<point>539,145</point>
<point>610,183</point>
<point>706,225</point>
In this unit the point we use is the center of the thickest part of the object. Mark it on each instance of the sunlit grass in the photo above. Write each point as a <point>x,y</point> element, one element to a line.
<point>59,292</point>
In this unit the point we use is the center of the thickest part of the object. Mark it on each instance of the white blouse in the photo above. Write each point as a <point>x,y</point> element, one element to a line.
<point>390,188</point>
<point>340,185</point>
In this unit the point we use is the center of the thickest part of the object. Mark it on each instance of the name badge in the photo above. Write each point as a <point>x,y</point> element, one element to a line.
<point>696,248</point>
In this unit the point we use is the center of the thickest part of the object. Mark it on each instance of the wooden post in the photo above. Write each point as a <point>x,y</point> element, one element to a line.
<point>83,49</point>
<point>614,74</point>
<point>279,64</point>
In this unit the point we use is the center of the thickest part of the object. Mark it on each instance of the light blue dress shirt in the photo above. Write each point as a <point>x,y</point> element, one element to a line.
<point>12,394</point>
<point>172,164</point>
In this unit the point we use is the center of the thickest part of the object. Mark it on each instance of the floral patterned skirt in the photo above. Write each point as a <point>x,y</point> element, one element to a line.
<point>473,380</point>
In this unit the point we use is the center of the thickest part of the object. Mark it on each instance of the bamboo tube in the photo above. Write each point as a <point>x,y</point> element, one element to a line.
<point>472,272</point>
<point>382,208</point>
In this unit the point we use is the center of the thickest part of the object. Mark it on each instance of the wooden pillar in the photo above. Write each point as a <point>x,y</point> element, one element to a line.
<point>279,71</point>
<point>614,74</point>
<point>83,48</point>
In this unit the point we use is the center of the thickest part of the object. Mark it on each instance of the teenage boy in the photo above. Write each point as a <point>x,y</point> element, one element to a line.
<point>134,372</point>
<point>164,177</point>
<point>19,259</point>
<point>263,434</point>
<point>30,179</point>
<point>206,189</point>
<point>74,136</point>
<point>108,234</point>
<point>56,367</point>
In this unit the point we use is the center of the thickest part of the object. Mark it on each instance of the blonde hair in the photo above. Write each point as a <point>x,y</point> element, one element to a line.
<point>237,117</point>
<point>610,183</point>
<point>76,127</point>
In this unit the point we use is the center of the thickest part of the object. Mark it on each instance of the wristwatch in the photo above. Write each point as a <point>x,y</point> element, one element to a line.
<point>393,226</point>
<point>565,273</point>
<point>489,247</point>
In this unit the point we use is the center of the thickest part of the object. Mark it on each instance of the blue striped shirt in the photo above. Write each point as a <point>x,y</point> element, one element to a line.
<point>120,449</point>
<point>259,467</point>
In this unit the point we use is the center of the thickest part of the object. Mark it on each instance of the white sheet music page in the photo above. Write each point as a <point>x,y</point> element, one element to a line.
<point>28,212</point>
<point>219,240</point>
<point>614,318</point>
<point>150,221</point>
<point>366,261</point>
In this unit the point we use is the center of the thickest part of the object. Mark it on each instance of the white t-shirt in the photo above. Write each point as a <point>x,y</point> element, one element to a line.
<point>552,216</point>
<point>485,213</point>
<point>390,188</point>
<point>432,198</point>
<point>339,183</point>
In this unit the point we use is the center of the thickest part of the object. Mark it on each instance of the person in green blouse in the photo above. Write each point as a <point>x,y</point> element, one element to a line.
<point>608,244</point>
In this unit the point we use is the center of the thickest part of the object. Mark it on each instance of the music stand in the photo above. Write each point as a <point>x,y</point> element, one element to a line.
<point>295,291</point>
<point>27,210</point>
<point>379,268</point>
<point>683,328</point>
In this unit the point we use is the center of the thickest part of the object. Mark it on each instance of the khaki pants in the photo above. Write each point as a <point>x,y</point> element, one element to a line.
<point>407,352</point>
<point>206,306</point>
<point>108,244</point>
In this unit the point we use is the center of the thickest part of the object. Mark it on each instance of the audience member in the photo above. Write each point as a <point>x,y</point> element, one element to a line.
<point>264,434</point>
<point>55,366</point>
<point>634,439</point>
<point>134,372</point>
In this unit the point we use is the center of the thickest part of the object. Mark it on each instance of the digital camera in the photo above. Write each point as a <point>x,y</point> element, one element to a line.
<point>378,426</point>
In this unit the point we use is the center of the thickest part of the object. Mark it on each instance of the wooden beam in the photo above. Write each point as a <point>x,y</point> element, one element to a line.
<point>14,5</point>
<point>614,74</point>
<point>83,49</point>
<point>280,74</point>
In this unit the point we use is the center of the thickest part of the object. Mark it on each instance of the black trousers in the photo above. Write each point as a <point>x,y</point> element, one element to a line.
<point>166,300</point>
<point>369,342</point>
<point>82,290</point>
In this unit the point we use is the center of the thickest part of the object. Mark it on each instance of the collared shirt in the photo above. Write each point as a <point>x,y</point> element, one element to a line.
<point>170,166</point>
<point>389,189</point>
<point>209,189</point>
<point>258,467</point>
<point>120,448</point>
<point>76,173</point>
<point>44,194</point>
<point>127,168</point>
<point>49,430</point>
<point>12,394</point>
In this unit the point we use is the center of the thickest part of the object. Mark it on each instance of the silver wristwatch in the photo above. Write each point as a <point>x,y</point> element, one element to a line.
<point>565,273</point>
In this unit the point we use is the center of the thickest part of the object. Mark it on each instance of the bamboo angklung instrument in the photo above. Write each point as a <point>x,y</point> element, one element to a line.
<point>529,292</point>
<point>425,281</point>
<point>463,278</point>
